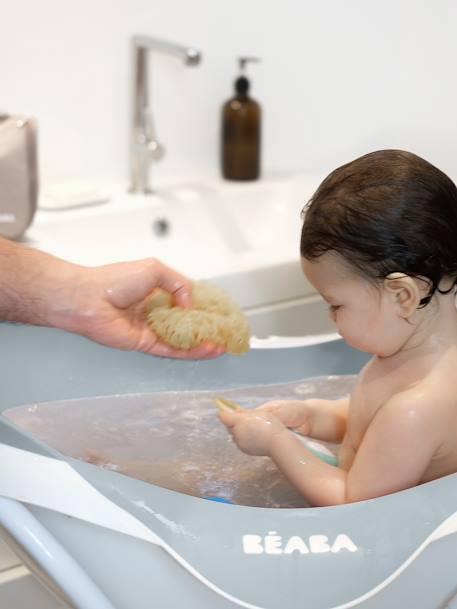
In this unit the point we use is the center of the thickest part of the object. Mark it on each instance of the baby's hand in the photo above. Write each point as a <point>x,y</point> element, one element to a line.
<point>252,430</point>
<point>295,414</point>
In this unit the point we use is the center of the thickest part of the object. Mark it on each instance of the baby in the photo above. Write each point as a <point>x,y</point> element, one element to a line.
<point>379,243</point>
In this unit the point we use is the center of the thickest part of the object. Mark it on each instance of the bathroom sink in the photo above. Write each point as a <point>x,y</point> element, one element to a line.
<point>203,229</point>
<point>243,236</point>
<point>129,227</point>
<point>269,217</point>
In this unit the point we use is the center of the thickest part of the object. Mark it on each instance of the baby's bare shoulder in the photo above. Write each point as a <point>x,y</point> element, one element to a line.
<point>427,403</point>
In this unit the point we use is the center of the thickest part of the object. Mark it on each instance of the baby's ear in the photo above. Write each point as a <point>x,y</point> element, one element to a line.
<point>405,292</point>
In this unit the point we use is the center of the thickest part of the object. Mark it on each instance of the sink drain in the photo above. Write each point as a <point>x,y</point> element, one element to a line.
<point>161,227</point>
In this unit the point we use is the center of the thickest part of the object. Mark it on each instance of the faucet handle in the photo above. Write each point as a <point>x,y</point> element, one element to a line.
<point>156,151</point>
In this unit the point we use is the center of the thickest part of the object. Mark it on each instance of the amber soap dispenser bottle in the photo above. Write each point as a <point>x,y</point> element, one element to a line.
<point>241,130</point>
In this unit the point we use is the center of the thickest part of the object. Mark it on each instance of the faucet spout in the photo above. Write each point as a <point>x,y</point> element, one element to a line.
<point>189,55</point>
<point>145,146</point>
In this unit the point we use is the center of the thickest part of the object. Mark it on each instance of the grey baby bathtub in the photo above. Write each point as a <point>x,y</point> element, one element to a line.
<point>163,549</point>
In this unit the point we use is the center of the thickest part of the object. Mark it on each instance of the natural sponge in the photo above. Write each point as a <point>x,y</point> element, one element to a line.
<point>213,317</point>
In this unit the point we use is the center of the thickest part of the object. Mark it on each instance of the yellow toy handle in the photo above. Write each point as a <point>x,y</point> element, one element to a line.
<point>227,405</point>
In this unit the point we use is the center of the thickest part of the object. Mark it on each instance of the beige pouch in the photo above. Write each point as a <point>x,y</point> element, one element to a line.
<point>18,174</point>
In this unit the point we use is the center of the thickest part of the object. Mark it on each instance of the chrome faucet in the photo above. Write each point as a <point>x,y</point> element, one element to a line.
<point>144,145</point>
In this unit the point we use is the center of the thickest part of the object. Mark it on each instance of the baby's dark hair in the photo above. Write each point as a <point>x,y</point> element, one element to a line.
<point>388,211</point>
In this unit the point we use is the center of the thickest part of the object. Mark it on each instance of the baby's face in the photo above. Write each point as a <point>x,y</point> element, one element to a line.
<point>365,314</point>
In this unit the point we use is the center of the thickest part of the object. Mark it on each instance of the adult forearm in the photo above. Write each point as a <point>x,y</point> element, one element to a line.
<point>29,284</point>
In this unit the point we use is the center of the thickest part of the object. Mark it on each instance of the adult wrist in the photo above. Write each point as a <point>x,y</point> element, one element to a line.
<point>35,287</point>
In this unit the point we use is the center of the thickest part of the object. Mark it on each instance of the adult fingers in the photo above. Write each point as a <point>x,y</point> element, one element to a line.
<point>130,282</point>
<point>175,283</point>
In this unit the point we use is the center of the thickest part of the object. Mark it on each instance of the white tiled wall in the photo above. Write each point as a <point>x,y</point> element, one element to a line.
<point>338,79</point>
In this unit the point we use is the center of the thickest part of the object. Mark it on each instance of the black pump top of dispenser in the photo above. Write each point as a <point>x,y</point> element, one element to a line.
<point>242,83</point>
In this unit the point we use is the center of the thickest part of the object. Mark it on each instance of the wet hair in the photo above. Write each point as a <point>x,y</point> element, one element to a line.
<point>387,211</point>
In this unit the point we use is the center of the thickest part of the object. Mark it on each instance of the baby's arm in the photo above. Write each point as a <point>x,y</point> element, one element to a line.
<point>398,446</point>
<point>396,449</point>
<point>321,419</point>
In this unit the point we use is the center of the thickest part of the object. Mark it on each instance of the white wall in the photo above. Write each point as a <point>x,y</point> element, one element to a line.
<point>339,78</point>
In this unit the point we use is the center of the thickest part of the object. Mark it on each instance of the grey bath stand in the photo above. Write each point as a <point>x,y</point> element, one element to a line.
<point>389,553</point>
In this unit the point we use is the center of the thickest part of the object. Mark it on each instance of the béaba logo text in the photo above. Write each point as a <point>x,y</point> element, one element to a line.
<point>314,544</point>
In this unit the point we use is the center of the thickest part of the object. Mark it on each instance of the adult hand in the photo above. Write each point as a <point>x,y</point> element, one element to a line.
<point>111,307</point>
<point>106,303</point>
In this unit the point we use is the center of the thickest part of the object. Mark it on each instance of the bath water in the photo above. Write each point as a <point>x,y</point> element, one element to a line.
<point>174,439</point>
